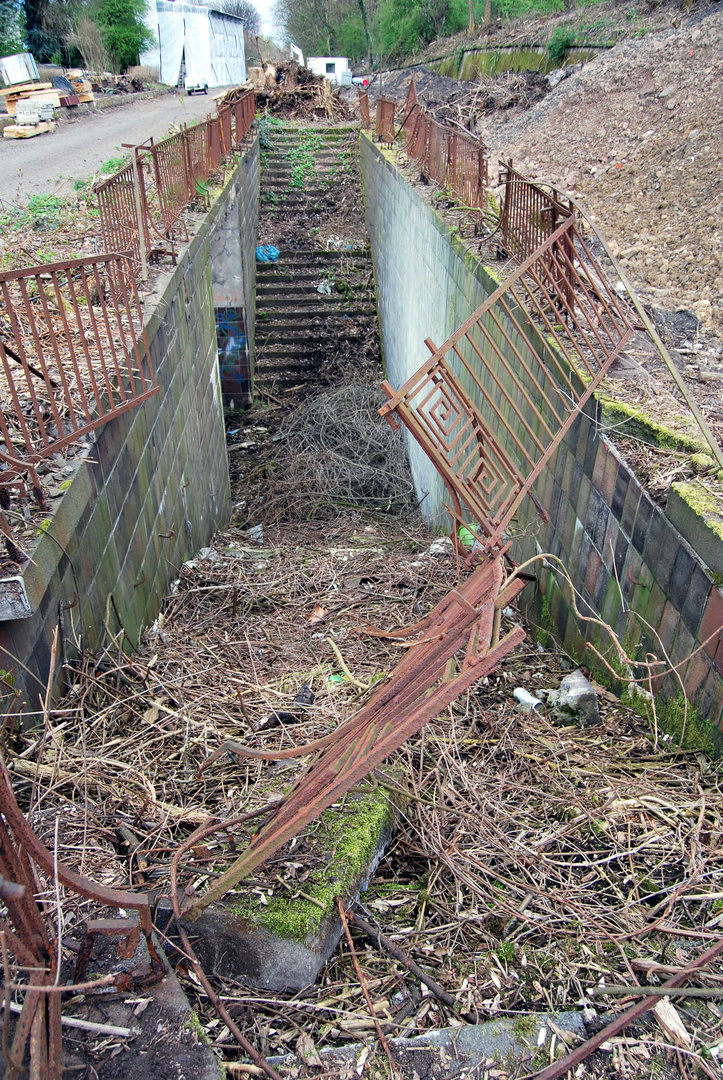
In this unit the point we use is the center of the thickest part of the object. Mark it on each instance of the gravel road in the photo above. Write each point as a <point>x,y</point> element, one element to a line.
<point>48,164</point>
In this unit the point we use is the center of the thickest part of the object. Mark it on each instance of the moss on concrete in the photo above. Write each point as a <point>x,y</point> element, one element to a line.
<point>704,504</point>
<point>632,420</point>
<point>697,733</point>
<point>349,837</point>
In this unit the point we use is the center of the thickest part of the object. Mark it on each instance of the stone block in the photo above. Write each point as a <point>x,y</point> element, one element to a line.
<point>680,577</point>
<point>283,944</point>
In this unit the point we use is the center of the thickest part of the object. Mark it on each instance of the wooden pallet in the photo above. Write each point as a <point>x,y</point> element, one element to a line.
<point>28,131</point>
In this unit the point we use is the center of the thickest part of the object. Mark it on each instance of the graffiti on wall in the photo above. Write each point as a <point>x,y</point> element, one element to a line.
<point>233,356</point>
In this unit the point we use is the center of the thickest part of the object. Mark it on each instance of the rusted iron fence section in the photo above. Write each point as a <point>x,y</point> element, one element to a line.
<point>73,354</point>
<point>141,205</point>
<point>384,123</point>
<point>529,214</point>
<point>444,154</point>
<point>554,326</point>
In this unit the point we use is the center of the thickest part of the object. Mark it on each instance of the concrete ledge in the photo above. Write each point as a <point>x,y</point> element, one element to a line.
<point>697,515</point>
<point>284,943</point>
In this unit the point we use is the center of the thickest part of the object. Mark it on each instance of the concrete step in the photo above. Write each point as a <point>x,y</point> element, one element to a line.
<point>307,256</point>
<point>264,333</point>
<point>297,292</point>
<point>300,278</point>
<point>294,341</point>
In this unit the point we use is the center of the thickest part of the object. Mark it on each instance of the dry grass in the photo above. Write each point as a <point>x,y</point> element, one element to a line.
<point>532,863</point>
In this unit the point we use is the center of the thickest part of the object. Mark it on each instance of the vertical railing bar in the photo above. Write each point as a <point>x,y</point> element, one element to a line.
<point>71,350</point>
<point>58,360</point>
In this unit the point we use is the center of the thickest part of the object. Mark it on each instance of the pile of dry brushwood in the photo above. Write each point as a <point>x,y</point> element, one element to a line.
<point>293,92</point>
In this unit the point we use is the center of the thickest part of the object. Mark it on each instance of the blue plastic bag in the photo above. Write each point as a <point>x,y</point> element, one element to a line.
<point>267,253</point>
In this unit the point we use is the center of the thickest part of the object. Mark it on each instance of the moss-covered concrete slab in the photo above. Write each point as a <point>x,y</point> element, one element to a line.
<point>698,515</point>
<point>278,935</point>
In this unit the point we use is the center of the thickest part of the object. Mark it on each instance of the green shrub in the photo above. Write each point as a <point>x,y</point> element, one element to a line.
<point>560,43</point>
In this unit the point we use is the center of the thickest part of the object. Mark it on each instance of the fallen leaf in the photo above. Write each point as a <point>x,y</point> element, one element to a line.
<point>307,1051</point>
<point>317,614</point>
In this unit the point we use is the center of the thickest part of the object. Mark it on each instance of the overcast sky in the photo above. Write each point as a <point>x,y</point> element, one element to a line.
<point>268,27</point>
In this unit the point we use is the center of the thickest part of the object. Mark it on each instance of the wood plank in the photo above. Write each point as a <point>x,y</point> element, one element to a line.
<point>53,96</point>
<point>27,131</point>
<point>22,87</point>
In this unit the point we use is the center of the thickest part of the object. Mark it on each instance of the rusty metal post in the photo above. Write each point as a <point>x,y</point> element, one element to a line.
<point>142,239</point>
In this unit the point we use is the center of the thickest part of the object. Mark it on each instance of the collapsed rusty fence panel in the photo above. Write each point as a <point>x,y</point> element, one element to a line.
<point>73,353</point>
<point>384,127</point>
<point>464,626</point>
<point>530,358</point>
<point>34,946</point>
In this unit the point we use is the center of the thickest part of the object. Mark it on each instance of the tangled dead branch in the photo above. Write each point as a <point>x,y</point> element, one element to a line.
<point>340,454</point>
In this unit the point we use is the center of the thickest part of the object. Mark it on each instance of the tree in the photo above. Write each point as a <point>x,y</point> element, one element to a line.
<point>244,10</point>
<point>47,25</point>
<point>122,30</point>
<point>86,38</point>
<point>11,29</point>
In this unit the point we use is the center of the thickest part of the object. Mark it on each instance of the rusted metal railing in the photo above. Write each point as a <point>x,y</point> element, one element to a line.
<point>244,112</point>
<point>120,213</point>
<point>455,161</point>
<point>141,205</point>
<point>529,214</point>
<point>364,111</point>
<point>30,939</point>
<point>384,126</point>
<point>73,354</point>
<point>532,355</point>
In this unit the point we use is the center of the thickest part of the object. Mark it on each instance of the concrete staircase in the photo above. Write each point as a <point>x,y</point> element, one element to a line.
<point>314,303</point>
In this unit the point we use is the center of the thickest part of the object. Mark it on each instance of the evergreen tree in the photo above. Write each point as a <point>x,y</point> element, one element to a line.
<point>11,29</point>
<point>122,29</point>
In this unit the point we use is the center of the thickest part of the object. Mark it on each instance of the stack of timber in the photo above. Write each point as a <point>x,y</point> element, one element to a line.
<point>28,131</point>
<point>37,92</point>
<point>82,87</point>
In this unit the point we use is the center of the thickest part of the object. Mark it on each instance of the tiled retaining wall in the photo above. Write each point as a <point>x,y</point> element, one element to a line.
<point>233,260</point>
<point>603,526</point>
<point>156,487</point>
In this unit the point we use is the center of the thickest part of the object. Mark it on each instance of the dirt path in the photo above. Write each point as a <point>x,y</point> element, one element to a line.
<point>49,164</point>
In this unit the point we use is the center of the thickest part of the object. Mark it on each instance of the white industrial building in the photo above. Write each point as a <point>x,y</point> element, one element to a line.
<point>334,68</point>
<point>196,45</point>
